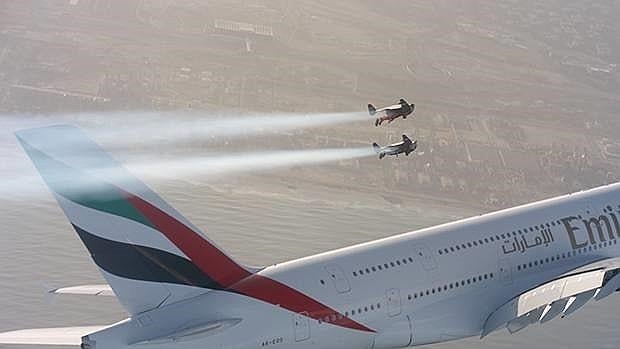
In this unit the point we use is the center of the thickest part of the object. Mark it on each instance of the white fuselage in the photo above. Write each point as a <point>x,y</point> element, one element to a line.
<point>432,285</point>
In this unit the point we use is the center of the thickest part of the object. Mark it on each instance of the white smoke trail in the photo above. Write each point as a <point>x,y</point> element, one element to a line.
<point>205,168</point>
<point>245,163</point>
<point>198,127</point>
<point>126,129</point>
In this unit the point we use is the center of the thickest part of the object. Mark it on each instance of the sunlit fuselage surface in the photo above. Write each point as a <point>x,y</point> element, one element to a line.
<point>427,286</point>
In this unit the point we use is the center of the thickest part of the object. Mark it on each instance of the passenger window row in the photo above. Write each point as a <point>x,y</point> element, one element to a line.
<point>352,312</point>
<point>569,254</point>
<point>381,267</point>
<point>497,237</point>
<point>450,286</point>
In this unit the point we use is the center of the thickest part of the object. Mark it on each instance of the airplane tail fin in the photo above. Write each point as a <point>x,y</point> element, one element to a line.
<point>146,250</point>
<point>372,110</point>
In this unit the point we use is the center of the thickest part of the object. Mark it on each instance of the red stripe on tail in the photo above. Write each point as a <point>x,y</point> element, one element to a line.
<point>211,260</point>
<point>229,274</point>
<point>276,293</point>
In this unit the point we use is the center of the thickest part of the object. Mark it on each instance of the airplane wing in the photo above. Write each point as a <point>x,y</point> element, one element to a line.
<point>561,296</point>
<point>93,290</point>
<point>49,336</point>
<point>391,107</point>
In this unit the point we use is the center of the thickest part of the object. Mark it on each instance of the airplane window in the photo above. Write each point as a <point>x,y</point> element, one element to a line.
<point>433,291</point>
<point>398,262</point>
<point>378,305</point>
<point>458,248</point>
<point>518,267</point>
<point>385,266</point>
<point>367,271</point>
<point>392,264</point>
<point>514,233</point>
<point>553,223</point>
<point>361,272</point>
<point>485,276</point>
<point>354,273</point>
<point>365,308</point>
<point>491,275</point>
<point>595,247</point>
<point>480,242</point>
<point>410,259</point>
<point>475,243</point>
<point>380,267</point>
<point>503,236</point>
<point>404,261</point>
<point>439,252</point>
<point>451,285</point>
<point>353,312</point>
<point>546,260</point>
<point>372,306</point>
<point>409,297</point>
<point>374,269</point>
<point>346,313</point>
<point>563,255</point>
<point>531,230</point>
<point>479,278</point>
<point>445,287</point>
<point>468,281</point>
<point>446,250</point>
<point>548,225</point>
<point>469,244</point>
<point>427,292</point>
<point>535,262</point>
<point>322,282</point>
<point>486,240</point>
<point>463,283</point>
<point>359,310</point>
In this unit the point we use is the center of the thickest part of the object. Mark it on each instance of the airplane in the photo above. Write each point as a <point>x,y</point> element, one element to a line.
<point>405,146</point>
<point>403,108</point>
<point>506,269</point>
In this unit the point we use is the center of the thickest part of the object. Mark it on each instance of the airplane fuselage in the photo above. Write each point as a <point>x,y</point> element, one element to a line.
<point>427,286</point>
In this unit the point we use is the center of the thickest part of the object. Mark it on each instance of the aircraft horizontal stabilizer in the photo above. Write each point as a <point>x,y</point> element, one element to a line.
<point>49,336</point>
<point>92,290</point>
<point>192,332</point>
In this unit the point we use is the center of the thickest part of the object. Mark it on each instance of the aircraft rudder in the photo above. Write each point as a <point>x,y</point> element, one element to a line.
<point>148,252</point>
